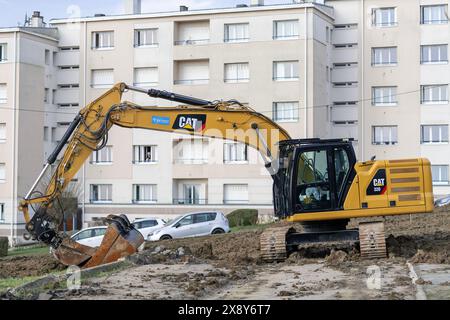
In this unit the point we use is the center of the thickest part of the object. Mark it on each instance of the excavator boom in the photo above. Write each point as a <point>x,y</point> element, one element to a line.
<point>89,132</point>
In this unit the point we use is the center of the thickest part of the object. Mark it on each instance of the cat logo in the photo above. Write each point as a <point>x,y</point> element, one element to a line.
<point>190,122</point>
<point>378,184</point>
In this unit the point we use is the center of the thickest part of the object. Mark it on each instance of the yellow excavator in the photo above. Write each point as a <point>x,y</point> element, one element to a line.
<point>316,182</point>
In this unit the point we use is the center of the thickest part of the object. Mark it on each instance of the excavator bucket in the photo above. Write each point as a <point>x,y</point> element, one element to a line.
<point>120,240</point>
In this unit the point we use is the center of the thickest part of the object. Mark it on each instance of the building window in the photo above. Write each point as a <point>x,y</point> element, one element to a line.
<point>102,156</point>
<point>434,14</point>
<point>439,174</point>
<point>145,37</point>
<point>384,135</point>
<point>2,212</point>
<point>434,53</point>
<point>145,154</point>
<point>343,65</point>
<point>285,70</point>
<point>235,193</point>
<point>145,77</point>
<point>53,137</point>
<point>350,84</point>
<point>434,94</point>
<point>235,152</point>
<point>76,48</point>
<point>2,52</point>
<point>285,29</point>
<point>192,72</point>
<point>384,17</point>
<point>101,193</point>
<point>3,93</point>
<point>345,45</point>
<point>102,78</point>
<point>103,40</point>
<point>236,32</point>
<point>434,134</point>
<point>384,56</point>
<point>46,95</point>
<point>191,195</point>
<point>144,193</point>
<point>191,151</point>
<point>236,72</point>
<point>2,132</point>
<point>285,111</point>
<point>384,96</point>
<point>2,172</point>
<point>54,96</point>
<point>45,133</point>
<point>47,57</point>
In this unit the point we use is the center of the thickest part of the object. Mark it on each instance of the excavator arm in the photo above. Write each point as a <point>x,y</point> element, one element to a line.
<point>89,132</point>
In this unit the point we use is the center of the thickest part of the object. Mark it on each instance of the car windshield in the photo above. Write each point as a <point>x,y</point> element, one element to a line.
<point>171,222</point>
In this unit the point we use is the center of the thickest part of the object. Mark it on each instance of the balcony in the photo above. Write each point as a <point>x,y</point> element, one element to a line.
<point>192,33</point>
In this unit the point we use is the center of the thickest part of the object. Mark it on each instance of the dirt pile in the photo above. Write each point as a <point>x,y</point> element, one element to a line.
<point>427,248</point>
<point>226,250</point>
<point>25,266</point>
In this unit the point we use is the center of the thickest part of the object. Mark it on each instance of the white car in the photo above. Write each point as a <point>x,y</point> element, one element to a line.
<point>192,225</point>
<point>148,225</point>
<point>91,237</point>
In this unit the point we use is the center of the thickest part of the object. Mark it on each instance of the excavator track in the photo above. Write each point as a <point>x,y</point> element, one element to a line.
<point>273,244</point>
<point>372,240</point>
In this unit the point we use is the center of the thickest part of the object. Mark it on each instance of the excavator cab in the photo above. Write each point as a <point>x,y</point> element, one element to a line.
<point>314,175</point>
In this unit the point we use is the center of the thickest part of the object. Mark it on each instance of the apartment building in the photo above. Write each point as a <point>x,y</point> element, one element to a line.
<point>273,58</point>
<point>27,77</point>
<point>391,74</point>
<point>373,70</point>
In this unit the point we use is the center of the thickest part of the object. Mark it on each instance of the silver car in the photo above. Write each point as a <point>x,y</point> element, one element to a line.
<point>192,225</point>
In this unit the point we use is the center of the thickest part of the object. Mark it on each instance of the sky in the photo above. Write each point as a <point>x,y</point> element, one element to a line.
<point>12,12</point>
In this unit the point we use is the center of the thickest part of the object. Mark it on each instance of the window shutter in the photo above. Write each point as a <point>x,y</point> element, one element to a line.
<point>102,78</point>
<point>3,96</point>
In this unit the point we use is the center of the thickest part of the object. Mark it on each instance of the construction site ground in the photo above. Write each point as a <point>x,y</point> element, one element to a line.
<point>229,267</point>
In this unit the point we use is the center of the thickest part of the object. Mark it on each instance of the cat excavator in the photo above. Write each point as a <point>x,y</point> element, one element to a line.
<point>317,183</point>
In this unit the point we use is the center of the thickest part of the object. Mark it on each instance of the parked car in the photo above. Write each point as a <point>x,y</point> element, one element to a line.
<point>148,225</point>
<point>91,237</point>
<point>442,202</point>
<point>192,225</point>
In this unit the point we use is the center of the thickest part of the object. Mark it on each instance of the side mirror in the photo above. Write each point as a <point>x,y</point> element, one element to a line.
<point>177,225</point>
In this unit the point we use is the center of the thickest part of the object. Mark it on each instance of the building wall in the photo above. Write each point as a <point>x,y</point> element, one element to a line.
<point>310,49</point>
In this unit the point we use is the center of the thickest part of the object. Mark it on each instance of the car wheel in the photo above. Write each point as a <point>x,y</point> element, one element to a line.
<point>218,231</point>
<point>165,237</point>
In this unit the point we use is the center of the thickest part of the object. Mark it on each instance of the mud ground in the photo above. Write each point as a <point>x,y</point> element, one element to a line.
<point>229,267</point>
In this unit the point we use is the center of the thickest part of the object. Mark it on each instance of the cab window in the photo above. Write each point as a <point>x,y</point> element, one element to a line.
<point>341,168</point>
<point>313,185</point>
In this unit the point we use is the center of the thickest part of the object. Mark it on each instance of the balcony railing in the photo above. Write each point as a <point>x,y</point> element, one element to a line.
<point>146,84</point>
<point>236,80</point>
<point>190,161</point>
<point>285,78</point>
<point>146,45</point>
<point>190,201</point>
<point>191,81</point>
<point>231,40</point>
<point>190,42</point>
<point>100,201</point>
<point>280,37</point>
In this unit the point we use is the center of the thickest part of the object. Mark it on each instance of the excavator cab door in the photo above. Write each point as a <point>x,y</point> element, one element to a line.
<point>322,174</point>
